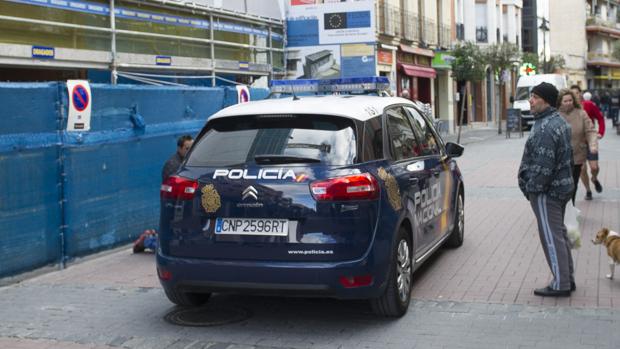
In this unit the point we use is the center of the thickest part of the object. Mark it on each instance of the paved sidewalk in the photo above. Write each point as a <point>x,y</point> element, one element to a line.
<point>501,260</point>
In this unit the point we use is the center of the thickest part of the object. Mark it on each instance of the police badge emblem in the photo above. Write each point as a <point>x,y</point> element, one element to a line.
<point>392,188</point>
<point>210,198</point>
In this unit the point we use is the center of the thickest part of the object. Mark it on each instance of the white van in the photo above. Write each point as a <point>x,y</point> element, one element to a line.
<point>524,87</point>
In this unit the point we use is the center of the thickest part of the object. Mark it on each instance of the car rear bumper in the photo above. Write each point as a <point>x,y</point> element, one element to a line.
<point>263,277</point>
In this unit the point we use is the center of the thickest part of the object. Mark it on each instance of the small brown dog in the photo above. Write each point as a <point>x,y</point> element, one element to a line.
<point>611,240</point>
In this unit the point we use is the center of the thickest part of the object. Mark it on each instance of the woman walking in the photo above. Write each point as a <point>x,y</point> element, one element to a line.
<point>583,134</point>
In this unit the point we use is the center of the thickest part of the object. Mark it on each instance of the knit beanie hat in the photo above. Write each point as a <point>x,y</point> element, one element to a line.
<point>548,92</point>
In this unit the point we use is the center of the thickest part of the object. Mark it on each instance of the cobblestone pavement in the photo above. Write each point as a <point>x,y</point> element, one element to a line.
<point>477,296</point>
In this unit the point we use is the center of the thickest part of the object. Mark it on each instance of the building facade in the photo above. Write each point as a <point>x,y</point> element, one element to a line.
<point>567,37</point>
<point>603,34</point>
<point>488,22</point>
<point>413,41</point>
<point>140,40</point>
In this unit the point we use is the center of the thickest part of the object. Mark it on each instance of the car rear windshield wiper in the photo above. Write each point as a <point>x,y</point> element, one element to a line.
<point>282,159</point>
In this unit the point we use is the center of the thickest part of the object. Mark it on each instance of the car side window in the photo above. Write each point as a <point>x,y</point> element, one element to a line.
<point>373,139</point>
<point>403,142</point>
<point>428,142</point>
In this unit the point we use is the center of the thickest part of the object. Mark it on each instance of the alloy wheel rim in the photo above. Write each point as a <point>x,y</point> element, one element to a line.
<point>403,269</point>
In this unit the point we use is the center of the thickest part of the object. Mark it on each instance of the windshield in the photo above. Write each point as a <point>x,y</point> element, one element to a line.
<point>523,94</point>
<point>276,138</point>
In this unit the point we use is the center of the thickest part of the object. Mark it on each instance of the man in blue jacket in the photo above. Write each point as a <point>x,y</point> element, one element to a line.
<point>545,178</point>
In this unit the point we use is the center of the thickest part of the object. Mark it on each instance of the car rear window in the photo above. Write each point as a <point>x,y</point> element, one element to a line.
<point>237,140</point>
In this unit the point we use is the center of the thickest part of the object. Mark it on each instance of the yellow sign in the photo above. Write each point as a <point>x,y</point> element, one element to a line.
<point>357,50</point>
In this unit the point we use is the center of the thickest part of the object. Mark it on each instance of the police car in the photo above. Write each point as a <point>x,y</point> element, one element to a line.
<point>326,195</point>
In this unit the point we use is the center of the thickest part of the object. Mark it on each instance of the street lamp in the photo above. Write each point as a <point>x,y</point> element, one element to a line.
<point>545,28</point>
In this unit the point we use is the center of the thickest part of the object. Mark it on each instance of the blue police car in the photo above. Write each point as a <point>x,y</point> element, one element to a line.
<point>328,195</point>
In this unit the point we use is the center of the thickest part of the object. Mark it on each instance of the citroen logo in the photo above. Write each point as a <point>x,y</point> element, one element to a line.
<point>249,192</point>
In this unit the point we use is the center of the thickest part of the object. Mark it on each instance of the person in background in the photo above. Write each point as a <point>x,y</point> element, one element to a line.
<point>583,134</point>
<point>596,116</point>
<point>545,178</point>
<point>172,165</point>
<point>605,103</point>
<point>148,239</point>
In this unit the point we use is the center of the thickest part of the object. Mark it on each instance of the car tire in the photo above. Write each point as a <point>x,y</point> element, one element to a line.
<point>458,231</point>
<point>394,301</point>
<point>187,299</point>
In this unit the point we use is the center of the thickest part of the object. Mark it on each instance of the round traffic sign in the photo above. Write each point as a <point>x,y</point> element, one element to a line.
<point>80,97</point>
<point>243,96</point>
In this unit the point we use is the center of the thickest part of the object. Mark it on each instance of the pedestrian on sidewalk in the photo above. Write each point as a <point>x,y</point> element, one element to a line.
<point>583,134</point>
<point>545,178</point>
<point>597,117</point>
<point>148,238</point>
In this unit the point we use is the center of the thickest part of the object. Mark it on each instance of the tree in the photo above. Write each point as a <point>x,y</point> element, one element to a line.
<point>555,63</point>
<point>502,57</point>
<point>468,65</point>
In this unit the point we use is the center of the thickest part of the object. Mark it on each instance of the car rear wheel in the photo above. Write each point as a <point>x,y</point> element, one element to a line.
<point>458,232</point>
<point>189,299</point>
<point>395,299</point>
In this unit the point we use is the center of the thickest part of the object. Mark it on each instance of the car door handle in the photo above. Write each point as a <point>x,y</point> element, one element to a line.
<point>435,173</point>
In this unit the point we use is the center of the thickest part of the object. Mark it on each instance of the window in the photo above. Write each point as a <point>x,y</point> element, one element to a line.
<point>373,139</point>
<point>402,140</point>
<point>424,133</point>
<point>237,140</point>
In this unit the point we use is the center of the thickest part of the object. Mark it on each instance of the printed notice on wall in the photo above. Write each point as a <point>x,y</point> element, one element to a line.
<point>80,102</point>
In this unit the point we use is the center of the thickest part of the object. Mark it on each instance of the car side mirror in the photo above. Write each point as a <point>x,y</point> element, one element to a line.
<point>512,99</point>
<point>454,150</point>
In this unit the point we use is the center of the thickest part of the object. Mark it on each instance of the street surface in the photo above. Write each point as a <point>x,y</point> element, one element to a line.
<point>477,296</point>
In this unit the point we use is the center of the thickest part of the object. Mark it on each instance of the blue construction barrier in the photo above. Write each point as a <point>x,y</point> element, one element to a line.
<point>67,194</point>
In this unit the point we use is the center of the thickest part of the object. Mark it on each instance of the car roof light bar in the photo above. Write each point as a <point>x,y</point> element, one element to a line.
<point>374,84</point>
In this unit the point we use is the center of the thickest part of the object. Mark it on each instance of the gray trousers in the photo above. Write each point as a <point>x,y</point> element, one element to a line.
<point>550,216</point>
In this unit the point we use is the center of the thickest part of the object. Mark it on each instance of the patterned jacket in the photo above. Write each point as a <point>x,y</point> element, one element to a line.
<point>547,163</point>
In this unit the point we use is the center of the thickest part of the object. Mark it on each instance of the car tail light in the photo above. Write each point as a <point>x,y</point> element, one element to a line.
<point>354,187</point>
<point>164,274</point>
<point>176,187</point>
<point>355,281</point>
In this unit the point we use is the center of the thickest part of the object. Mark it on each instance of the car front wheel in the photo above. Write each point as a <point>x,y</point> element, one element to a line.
<point>458,232</point>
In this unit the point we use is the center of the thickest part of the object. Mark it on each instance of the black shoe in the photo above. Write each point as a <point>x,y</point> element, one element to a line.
<point>597,186</point>
<point>549,292</point>
<point>573,287</point>
<point>589,195</point>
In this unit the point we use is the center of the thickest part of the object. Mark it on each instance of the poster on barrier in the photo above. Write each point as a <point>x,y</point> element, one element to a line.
<point>80,102</point>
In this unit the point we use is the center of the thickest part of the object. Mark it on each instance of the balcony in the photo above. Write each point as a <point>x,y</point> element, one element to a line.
<point>389,19</point>
<point>445,37</point>
<point>600,58</point>
<point>411,26</point>
<point>596,24</point>
<point>482,35</point>
<point>429,35</point>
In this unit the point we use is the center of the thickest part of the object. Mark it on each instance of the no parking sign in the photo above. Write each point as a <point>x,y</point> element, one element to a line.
<point>80,102</point>
<point>243,94</point>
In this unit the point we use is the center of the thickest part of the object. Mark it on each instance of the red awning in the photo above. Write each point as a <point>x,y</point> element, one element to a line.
<point>419,71</point>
